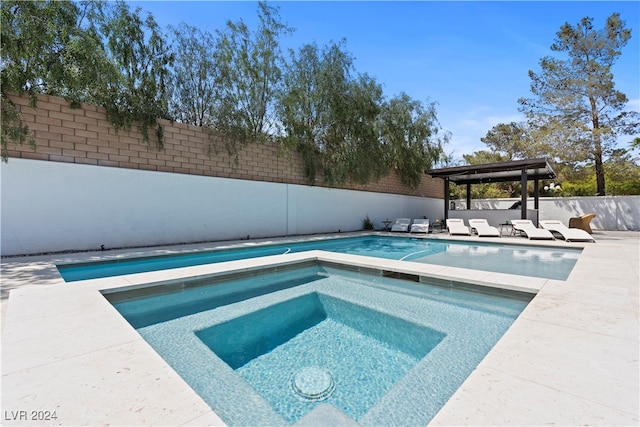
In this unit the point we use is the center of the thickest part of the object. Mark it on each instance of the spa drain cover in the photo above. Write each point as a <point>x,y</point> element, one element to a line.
<point>313,383</point>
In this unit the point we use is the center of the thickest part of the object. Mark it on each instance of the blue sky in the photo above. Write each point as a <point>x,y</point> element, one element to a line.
<point>471,58</point>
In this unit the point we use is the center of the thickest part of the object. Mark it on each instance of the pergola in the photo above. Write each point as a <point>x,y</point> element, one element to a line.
<point>511,171</point>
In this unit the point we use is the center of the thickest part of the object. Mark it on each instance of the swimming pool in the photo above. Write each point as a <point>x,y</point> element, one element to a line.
<point>551,263</point>
<point>271,348</point>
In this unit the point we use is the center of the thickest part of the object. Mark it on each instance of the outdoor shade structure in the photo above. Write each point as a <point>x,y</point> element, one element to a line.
<point>515,170</point>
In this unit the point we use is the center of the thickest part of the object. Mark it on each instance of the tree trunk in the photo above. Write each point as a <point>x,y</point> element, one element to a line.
<point>597,148</point>
<point>599,170</point>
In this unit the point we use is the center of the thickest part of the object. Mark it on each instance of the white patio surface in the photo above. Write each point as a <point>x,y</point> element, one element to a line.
<point>571,358</point>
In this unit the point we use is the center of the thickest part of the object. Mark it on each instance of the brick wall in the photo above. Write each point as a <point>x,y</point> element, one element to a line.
<point>84,135</point>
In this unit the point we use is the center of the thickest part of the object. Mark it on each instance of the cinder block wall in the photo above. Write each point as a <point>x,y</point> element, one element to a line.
<point>85,136</point>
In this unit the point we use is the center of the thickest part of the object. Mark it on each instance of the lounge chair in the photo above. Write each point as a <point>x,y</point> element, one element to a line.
<point>568,234</point>
<point>530,230</point>
<point>456,226</point>
<point>420,225</point>
<point>401,224</point>
<point>582,222</point>
<point>483,228</point>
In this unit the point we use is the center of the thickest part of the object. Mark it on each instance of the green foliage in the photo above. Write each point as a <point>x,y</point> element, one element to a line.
<point>35,36</point>
<point>490,190</point>
<point>344,128</point>
<point>409,134</point>
<point>329,116</point>
<point>88,51</point>
<point>626,187</point>
<point>478,191</point>
<point>623,174</point>
<point>576,108</point>
<point>13,128</point>
<point>582,188</point>
<point>514,140</point>
<point>41,52</point>
<point>249,77</point>
<point>615,188</point>
<point>236,82</point>
<point>137,92</point>
<point>302,108</point>
<point>352,151</point>
<point>367,224</point>
<point>193,89</point>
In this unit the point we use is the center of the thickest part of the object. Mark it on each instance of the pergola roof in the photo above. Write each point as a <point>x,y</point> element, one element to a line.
<point>497,172</point>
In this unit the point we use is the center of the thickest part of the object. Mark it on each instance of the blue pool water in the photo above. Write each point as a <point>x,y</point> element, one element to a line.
<point>269,348</point>
<point>511,259</point>
<point>374,352</point>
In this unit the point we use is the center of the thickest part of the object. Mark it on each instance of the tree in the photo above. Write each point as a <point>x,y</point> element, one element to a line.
<point>344,128</point>
<point>44,50</point>
<point>112,56</point>
<point>193,90</point>
<point>354,152</point>
<point>250,76</point>
<point>490,190</point>
<point>514,140</point>
<point>623,174</point>
<point>86,51</point>
<point>136,91</point>
<point>409,132</point>
<point>303,105</point>
<point>575,98</point>
<point>329,116</point>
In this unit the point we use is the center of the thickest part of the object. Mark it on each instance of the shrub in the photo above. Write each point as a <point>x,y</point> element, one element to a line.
<point>367,224</point>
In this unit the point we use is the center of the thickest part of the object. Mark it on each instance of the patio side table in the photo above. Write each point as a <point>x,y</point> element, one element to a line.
<point>509,227</point>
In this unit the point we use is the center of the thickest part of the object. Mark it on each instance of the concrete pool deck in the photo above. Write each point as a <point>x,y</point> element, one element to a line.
<point>572,357</point>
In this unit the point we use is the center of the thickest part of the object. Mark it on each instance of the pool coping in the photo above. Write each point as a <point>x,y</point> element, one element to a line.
<point>66,349</point>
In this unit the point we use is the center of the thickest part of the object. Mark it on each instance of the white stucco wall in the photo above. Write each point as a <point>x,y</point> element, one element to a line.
<point>50,206</point>
<point>612,212</point>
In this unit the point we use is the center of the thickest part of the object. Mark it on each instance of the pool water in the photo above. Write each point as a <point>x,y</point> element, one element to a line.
<point>269,347</point>
<point>551,263</point>
<point>378,350</point>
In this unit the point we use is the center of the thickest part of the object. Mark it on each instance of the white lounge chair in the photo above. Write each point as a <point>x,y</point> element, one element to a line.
<point>420,225</point>
<point>530,230</point>
<point>401,224</point>
<point>568,234</point>
<point>483,228</point>
<point>456,226</point>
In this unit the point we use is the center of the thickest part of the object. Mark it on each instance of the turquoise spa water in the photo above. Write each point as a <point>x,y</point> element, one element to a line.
<point>270,348</point>
<point>551,263</point>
